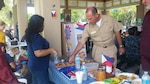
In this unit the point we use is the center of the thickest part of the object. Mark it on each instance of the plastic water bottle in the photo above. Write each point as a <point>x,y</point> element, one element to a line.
<point>145,78</point>
<point>77,62</point>
<point>56,60</point>
<point>84,69</point>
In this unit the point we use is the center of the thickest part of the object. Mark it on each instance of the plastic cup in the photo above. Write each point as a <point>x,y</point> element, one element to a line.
<point>79,76</point>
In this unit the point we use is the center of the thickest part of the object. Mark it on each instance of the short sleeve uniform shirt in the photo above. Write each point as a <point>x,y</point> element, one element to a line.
<point>102,36</point>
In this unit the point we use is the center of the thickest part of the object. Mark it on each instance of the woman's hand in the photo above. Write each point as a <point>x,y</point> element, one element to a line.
<point>56,52</point>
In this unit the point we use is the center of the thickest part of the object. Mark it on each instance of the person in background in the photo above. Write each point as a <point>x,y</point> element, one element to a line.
<point>102,29</point>
<point>145,40</point>
<point>17,32</point>
<point>6,74</point>
<point>132,47</point>
<point>9,59</point>
<point>20,57</point>
<point>18,62</point>
<point>39,51</point>
<point>9,36</point>
<point>2,34</point>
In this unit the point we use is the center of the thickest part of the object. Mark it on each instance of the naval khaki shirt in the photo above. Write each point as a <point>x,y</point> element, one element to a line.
<point>103,37</point>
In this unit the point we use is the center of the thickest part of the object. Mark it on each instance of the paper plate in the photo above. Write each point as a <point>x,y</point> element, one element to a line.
<point>99,82</point>
<point>137,81</point>
<point>127,76</point>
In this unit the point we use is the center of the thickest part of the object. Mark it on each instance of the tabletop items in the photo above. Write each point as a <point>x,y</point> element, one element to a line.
<point>145,78</point>
<point>101,74</point>
<point>56,59</point>
<point>99,82</point>
<point>84,70</point>
<point>97,72</point>
<point>79,76</point>
<point>69,69</point>
<point>65,64</point>
<point>77,62</point>
<point>69,72</point>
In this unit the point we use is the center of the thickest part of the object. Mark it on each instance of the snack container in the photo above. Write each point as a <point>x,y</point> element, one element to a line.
<point>92,66</point>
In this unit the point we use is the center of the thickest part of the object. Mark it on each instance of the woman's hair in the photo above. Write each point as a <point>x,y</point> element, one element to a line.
<point>3,45</point>
<point>35,26</point>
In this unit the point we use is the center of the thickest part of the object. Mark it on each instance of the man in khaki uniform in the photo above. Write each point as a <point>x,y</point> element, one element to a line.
<point>102,29</point>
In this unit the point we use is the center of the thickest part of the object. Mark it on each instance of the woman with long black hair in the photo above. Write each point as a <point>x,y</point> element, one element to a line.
<point>38,50</point>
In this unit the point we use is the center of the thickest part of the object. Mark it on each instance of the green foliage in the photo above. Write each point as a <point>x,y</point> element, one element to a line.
<point>6,13</point>
<point>29,16</point>
<point>126,14</point>
<point>77,15</point>
<point>61,16</point>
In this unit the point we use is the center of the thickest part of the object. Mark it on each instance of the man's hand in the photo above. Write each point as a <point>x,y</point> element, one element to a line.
<point>71,59</point>
<point>121,51</point>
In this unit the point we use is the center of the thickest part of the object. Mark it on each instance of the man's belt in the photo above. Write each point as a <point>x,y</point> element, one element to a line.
<point>104,45</point>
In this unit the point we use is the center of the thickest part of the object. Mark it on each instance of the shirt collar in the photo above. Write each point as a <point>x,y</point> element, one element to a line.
<point>98,23</point>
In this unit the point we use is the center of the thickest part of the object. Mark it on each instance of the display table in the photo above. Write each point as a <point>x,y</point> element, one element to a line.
<point>58,78</point>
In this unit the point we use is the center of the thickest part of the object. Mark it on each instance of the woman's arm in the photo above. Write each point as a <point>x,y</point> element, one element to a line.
<point>43,52</point>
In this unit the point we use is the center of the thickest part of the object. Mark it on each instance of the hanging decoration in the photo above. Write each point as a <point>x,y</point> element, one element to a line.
<point>53,11</point>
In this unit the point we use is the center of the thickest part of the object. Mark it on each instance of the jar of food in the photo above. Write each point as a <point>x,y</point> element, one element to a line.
<point>101,74</point>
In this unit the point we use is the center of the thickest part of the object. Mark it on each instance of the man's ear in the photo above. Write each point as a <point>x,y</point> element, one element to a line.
<point>97,15</point>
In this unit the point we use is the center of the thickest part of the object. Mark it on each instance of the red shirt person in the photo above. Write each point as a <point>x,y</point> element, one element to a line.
<point>145,39</point>
<point>6,74</point>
